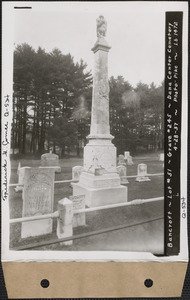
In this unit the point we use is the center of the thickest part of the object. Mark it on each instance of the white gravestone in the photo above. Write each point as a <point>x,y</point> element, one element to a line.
<point>76,172</point>
<point>78,203</point>
<point>65,221</point>
<point>21,174</point>
<point>161,157</point>
<point>142,173</point>
<point>126,154</point>
<point>50,160</point>
<point>38,198</point>
<point>122,171</point>
<point>128,158</point>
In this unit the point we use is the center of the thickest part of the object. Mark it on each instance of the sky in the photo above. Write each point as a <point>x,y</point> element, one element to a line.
<point>135,32</point>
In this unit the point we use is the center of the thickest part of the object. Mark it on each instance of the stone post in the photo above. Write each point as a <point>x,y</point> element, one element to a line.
<point>65,220</point>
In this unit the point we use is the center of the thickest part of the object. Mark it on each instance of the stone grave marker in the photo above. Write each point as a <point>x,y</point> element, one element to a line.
<point>126,154</point>
<point>122,171</point>
<point>121,160</point>
<point>76,171</point>
<point>21,174</point>
<point>78,203</point>
<point>161,157</point>
<point>38,199</point>
<point>50,160</point>
<point>142,173</point>
<point>128,158</point>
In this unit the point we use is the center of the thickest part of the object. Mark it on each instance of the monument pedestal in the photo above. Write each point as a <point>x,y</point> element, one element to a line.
<point>100,190</point>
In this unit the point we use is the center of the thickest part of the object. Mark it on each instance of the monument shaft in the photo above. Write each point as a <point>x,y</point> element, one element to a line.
<point>100,98</point>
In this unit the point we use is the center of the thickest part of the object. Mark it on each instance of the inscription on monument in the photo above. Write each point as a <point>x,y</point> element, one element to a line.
<point>37,194</point>
<point>78,203</point>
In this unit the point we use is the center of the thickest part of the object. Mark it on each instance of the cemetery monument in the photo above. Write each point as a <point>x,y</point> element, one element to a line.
<point>99,181</point>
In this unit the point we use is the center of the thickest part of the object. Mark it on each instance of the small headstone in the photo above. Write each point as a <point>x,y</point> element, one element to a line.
<point>78,203</point>
<point>128,158</point>
<point>161,157</point>
<point>65,221</point>
<point>38,198</point>
<point>122,171</point>
<point>21,174</point>
<point>126,154</point>
<point>76,172</point>
<point>51,160</point>
<point>142,173</point>
<point>121,160</point>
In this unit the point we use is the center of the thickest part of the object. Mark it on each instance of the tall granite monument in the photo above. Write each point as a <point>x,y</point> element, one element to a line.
<point>99,180</point>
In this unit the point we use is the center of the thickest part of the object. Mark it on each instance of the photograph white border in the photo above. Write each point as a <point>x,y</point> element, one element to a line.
<point>7,89</point>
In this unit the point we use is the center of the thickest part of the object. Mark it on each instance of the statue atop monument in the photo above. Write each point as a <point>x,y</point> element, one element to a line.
<point>101,27</point>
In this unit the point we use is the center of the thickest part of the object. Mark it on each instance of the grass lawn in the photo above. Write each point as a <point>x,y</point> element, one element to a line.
<point>146,237</point>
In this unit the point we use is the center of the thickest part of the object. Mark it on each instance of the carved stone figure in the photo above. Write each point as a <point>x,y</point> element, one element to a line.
<point>101,26</point>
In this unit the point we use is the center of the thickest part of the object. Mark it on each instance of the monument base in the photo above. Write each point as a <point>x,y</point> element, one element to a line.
<point>141,179</point>
<point>19,188</point>
<point>100,190</point>
<point>79,220</point>
<point>36,228</point>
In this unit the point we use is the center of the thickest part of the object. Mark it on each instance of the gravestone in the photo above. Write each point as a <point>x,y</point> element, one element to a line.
<point>121,160</point>
<point>76,172</point>
<point>65,221</point>
<point>129,161</point>
<point>142,173</point>
<point>126,154</point>
<point>128,158</point>
<point>38,199</point>
<point>122,171</point>
<point>21,174</point>
<point>99,180</point>
<point>161,157</point>
<point>78,203</point>
<point>50,160</point>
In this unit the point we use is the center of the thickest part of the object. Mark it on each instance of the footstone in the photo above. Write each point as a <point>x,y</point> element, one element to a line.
<point>38,198</point>
<point>142,173</point>
<point>79,219</point>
